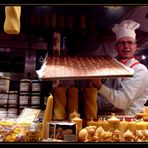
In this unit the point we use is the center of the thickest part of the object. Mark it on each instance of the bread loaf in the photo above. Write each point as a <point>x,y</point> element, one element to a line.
<point>47,116</point>
<point>90,103</point>
<point>12,19</point>
<point>59,110</point>
<point>72,100</point>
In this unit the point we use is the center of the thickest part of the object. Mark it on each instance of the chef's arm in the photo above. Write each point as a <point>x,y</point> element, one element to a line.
<point>119,97</point>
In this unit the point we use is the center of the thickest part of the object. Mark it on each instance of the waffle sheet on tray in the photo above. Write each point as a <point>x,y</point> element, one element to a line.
<point>82,67</point>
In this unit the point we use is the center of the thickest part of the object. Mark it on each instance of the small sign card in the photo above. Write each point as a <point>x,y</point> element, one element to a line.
<point>28,115</point>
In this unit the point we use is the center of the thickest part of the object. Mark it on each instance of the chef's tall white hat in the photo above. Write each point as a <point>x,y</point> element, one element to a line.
<point>125,29</point>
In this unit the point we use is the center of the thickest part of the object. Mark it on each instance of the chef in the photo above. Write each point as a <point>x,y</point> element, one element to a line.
<point>130,93</point>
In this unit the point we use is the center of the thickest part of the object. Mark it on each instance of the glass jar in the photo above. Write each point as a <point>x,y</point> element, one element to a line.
<point>24,99</point>
<point>36,86</point>
<point>33,133</point>
<point>13,98</point>
<point>25,85</point>
<point>35,99</point>
<point>4,84</point>
<point>3,98</point>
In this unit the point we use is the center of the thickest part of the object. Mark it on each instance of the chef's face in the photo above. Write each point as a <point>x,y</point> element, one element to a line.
<point>126,47</point>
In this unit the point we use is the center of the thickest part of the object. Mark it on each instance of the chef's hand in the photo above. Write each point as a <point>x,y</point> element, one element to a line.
<point>96,83</point>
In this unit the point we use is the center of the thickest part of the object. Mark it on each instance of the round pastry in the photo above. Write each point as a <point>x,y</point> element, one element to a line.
<point>128,136</point>
<point>82,135</point>
<point>106,136</point>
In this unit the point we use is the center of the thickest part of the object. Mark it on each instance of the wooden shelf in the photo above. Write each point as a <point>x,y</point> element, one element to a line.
<point>24,45</point>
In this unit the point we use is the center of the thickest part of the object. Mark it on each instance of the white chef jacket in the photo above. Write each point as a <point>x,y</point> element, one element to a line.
<point>130,93</point>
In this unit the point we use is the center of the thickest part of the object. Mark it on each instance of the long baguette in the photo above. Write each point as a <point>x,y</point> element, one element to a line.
<point>12,19</point>
<point>47,116</point>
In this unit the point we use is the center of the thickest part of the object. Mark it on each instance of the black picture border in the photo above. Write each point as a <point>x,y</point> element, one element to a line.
<point>73,2</point>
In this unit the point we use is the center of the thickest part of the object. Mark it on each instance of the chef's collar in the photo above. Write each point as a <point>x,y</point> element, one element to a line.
<point>124,61</point>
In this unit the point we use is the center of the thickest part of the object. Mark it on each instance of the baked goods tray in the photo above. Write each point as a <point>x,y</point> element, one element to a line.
<point>82,67</point>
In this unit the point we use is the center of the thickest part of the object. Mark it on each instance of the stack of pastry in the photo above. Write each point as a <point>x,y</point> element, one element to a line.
<point>73,115</point>
<point>78,122</point>
<point>114,123</point>
<point>90,103</point>
<point>72,100</point>
<point>123,126</point>
<point>59,106</point>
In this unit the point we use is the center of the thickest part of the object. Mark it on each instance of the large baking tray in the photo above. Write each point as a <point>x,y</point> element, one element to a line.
<point>82,67</point>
